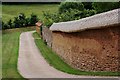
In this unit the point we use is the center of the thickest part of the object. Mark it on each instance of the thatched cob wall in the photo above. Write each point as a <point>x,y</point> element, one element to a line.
<point>90,44</point>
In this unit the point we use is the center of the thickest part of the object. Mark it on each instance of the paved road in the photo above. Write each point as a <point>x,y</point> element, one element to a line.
<point>31,64</point>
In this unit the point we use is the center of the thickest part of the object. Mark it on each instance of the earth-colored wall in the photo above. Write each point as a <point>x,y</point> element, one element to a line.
<point>38,29</point>
<point>47,36</point>
<point>90,50</point>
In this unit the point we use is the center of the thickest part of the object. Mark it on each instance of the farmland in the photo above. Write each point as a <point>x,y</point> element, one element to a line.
<point>10,38</point>
<point>11,11</point>
<point>10,41</point>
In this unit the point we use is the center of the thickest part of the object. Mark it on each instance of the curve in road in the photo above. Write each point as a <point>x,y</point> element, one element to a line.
<point>31,64</point>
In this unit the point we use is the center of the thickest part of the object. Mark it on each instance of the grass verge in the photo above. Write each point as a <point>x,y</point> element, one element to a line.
<point>10,47</point>
<point>54,60</point>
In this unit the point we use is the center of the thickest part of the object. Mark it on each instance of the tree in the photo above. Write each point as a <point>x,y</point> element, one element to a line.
<point>22,19</point>
<point>66,6</point>
<point>16,22</point>
<point>10,23</point>
<point>87,5</point>
<point>105,6</point>
<point>33,19</point>
<point>3,25</point>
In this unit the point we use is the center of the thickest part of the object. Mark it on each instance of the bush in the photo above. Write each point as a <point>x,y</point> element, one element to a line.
<point>48,22</point>
<point>10,24</point>
<point>87,5</point>
<point>16,22</point>
<point>0,25</point>
<point>66,6</point>
<point>87,13</point>
<point>27,22</point>
<point>20,21</point>
<point>33,19</point>
<point>69,11</point>
<point>3,25</point>
<point>105,6</point>
<point>73,14</point>
<point>47,19</point>
<point>22,16</point>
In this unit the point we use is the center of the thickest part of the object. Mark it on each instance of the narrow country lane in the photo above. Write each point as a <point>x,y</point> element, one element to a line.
<point>31,64</point>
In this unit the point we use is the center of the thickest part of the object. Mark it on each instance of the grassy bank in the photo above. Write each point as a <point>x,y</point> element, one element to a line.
<point>10,47</point>
<point>10,11</point>
<point>54,60</point>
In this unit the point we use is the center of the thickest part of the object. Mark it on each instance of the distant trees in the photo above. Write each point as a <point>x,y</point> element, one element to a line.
<point>67,6</point>
<point>10,23</point>
<point>69,11</point>
<point>105,6</point>
<point>20,21</point>
<point>33,19</point>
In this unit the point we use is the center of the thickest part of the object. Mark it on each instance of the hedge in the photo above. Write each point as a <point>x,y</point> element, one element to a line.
<point>69,11</point>
<point>20,21</point>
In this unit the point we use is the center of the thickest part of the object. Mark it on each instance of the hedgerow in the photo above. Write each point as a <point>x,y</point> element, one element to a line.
<point>20,21</point>
<point>69,11</point>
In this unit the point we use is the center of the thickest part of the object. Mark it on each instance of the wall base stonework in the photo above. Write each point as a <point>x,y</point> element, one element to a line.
<point>47,36</point>
<point>90,50</point>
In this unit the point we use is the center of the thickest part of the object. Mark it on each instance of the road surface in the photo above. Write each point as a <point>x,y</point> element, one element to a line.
<point>31,63</point>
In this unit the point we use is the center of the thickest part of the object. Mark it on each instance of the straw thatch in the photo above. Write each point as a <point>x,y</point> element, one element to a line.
<point>94,22</point>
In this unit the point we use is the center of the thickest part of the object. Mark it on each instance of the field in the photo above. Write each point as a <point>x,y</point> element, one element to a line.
<point>10,47</point>
<point>10,42</point>
<point>10,11</point>
<point>10,38</point>
<point>0,54</point>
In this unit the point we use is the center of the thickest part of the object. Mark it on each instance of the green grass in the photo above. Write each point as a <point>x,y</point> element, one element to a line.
<point>10,47</point>
<point>54,60</point>
<point>0,54</point>
<point>10,11</point>
<point>10,38</point>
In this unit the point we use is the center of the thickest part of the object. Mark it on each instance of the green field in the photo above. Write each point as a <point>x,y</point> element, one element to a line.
<point>0,54</point>
<point>10,38</point>
<point>10,42</point>
<point>10,11</point>
<point>10,46</point>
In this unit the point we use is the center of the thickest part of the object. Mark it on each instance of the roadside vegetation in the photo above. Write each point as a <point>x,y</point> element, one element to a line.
<point>48,14</point>
<point>9,11</point>
<point>20,21</point>
<point>23,15</point>
<point>54,13</point>
<point>69,11</point>
<point>54,60</point>
<point>10,47</point>
<point>11,18</point>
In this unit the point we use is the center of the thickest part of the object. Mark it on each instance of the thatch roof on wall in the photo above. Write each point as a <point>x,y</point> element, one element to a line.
<point>93,22</point>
